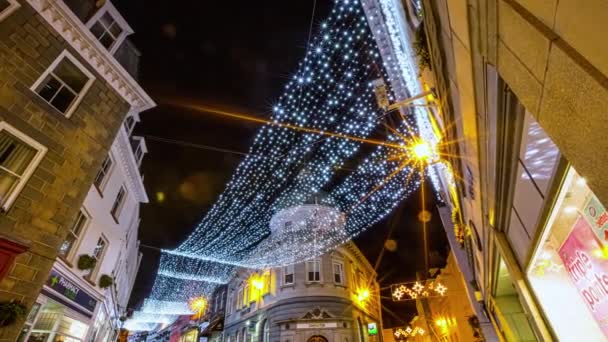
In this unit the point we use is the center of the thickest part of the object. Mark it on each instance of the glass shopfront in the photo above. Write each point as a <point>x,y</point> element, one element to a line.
<point>57,323</point>
<point>569,268</point>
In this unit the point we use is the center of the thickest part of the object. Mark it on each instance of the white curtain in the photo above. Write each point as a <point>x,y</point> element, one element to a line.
<point>15,157</point>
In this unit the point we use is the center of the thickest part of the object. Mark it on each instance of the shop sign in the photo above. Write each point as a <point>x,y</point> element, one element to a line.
<point>316,325</point>
<point>372,329</point>
<point>588,272</point>
<point>71,291</point>
<point>598,217</point>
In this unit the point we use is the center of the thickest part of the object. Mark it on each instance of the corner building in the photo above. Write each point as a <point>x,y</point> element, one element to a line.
<point>526,85</point>
<point>65,89</point>
<point>332,298</point>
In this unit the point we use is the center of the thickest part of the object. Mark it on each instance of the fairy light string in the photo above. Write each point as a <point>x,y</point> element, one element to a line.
<point>292,159</point>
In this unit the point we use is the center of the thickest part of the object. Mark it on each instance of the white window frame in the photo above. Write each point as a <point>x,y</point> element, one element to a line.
<point>313,262</point>
<point>141,150</point>
<point>95,271</point>
<point>285,273</point>
<point>246,296</point>
<point>41,151</point>
<point>116,215</point>
<point>65,54</point>
<point>13,5</point>
<point>115,14</point>
<point>77,242</point>
<point>333,271</point>
<point>239,301</point>
<point>107,174</point>
<point>128,129</point>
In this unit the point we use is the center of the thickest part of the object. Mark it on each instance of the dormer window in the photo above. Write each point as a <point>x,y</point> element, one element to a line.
<point>107,30</point>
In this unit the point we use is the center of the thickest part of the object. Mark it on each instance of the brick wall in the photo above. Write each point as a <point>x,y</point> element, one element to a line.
<point>47,206</point>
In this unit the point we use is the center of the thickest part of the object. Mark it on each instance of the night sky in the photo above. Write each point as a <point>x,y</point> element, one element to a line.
<point>236,56</point>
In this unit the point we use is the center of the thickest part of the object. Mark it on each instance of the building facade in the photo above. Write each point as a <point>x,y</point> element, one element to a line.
<point>331,298</point>
<point>106,230</point>
<point>525,85</point>
<point>66,86</point>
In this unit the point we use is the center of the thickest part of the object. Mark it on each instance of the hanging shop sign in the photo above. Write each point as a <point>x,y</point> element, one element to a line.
<point>70,291</point>
<point>372,329</point>
<point>598,217</point>
<point>587,269</point>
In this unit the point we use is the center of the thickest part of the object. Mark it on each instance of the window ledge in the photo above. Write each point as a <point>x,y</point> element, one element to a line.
<point>115,219</point>
<point>288,285</point>
<point>65,261</point>
<point>43,104</point>
<point>314,283</point>
<point>88,280</point>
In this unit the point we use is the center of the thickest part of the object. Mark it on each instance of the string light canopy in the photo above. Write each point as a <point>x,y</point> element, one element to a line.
<point>294,158</point>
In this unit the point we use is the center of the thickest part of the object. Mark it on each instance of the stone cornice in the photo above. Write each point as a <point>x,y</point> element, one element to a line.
<point>123,152</point>
<point>75,33</point>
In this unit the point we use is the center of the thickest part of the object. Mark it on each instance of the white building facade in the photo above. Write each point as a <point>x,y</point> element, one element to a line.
<point>334,297</point>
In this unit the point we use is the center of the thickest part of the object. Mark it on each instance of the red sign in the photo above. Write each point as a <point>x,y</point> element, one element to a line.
<point>588,269</point>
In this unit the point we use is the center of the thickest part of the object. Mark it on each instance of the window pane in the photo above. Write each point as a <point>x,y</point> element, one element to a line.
<point>15,155</point>
<point>288,278</point>
<point>46,321</point>
<point>538,154</point>
<point>63,100</point>
<point>106,40</point>
<point>99,248</point>
<point>71,327</point>
<point>49,88</point>
<point>97,30</point>
<point>116,30</point>
<point>71,75</point>
<point>7,182</point>
<point>79,224</point>
<point>107,19</point>
<point>103,171</point>
<point>66,246</point>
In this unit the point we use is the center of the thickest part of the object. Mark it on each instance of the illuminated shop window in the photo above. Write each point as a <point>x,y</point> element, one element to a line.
<point>536,164</point>
<point>569,268</point>
<point>513,320</point>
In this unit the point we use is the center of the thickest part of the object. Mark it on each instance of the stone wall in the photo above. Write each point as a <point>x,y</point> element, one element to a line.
<point>47,205</point>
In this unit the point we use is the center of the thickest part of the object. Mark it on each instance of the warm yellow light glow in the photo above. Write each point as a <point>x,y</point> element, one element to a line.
<point>198,306</point>
<point>422,150</point>
<point>362,296</point>
<point>601,253</point>
<point>257,283</point>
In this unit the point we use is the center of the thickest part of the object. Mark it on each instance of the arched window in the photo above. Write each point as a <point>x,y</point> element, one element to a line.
<point>245,337</point>
<point>238,336</point>
<point>265,333</point>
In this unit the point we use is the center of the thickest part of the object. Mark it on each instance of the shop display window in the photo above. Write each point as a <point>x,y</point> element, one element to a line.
<point>569,268</point>
<point>511,316</point>
<point>54,325</point>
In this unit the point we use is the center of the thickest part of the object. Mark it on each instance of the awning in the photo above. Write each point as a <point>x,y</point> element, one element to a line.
<point>216,324</point>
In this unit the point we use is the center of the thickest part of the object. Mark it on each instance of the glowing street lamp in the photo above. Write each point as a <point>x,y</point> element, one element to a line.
<point>198,306</point>
<point>423,152</point>
<point>362,296</point>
